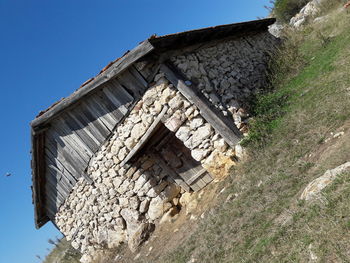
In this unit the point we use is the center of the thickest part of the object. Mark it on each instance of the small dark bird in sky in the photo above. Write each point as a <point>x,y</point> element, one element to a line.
<point>8,174</point>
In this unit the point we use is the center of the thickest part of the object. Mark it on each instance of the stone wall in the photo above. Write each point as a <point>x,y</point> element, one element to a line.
<point>228,73</point>
<point>122,205</point>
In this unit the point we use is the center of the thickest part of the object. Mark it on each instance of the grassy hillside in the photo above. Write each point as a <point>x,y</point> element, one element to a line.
<point>292,142</point>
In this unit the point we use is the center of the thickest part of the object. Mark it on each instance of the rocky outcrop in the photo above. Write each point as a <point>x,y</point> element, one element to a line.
<point>309,11</point>
<point>314,188</point>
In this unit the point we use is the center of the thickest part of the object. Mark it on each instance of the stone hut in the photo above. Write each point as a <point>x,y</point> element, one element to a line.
<point>164,119</point>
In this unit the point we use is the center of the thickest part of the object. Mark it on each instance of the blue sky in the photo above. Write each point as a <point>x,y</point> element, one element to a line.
<point>47,50</point>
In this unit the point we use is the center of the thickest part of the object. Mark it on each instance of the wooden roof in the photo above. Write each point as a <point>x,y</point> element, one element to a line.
<point>110,93</point>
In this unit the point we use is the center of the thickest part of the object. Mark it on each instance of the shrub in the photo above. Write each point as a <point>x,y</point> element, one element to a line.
<point>284,10</point>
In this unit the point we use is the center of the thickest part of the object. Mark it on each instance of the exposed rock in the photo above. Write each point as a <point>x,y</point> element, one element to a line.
<point>140,182</point>
<point>119,223</point>
<point>144,206</point>
<point>134,202</point>
<point>168,216</point>
<point>170,192</point>
<point>157,207</point>
<point>310,10</point>
<point>173,123</point>
<point>199,154</point>
<point>86,258</point>
<point>122,153</point>
<point>183,133</point>
<point>138,131</point>
<point>139,236</point>
<point>185,198</point>
<point>276,29</point>
<point>115,238</point>
<point>130,143</point>
<point>220,145</point>
<point>196,122</point>
<point>239,151</point>
<point>198,136</point>
<point>176,102</point>
<point>314,188</point>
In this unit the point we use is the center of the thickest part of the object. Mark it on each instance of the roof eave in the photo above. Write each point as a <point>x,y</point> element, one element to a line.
<point>119,66</point>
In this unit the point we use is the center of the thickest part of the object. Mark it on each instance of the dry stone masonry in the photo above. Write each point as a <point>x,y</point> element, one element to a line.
<point>228,73</point>
<point>154,139</point>
<point>122,205</point>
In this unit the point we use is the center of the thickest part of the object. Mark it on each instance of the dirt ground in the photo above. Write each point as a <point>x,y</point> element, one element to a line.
<point>175,230</point>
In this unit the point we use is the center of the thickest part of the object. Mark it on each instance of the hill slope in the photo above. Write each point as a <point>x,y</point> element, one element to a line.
<point>301,129</point>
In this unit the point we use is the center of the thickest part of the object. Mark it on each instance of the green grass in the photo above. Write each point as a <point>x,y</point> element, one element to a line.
<point>269,223</point>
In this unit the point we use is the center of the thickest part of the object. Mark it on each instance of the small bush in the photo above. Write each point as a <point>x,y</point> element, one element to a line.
<point>267,106</point>
<point>284,10</point>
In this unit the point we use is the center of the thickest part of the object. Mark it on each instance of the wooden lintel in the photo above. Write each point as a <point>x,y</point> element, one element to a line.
<point>225,127</point>
<point>145,137</point>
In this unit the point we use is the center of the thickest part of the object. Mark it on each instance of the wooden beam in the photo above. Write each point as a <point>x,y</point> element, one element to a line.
<point>145,137</point>
<point>38,178</point>
<point>225,127</point>
<point>172,175</point>
<point>119,66</point>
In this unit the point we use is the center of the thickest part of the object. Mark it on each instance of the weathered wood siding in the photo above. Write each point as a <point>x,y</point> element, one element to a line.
<point>77,134</point>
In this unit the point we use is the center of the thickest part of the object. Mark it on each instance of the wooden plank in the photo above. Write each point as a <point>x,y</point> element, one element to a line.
<point>110,105</point>
<point>69,156</point>
<point>60,162</point>
<point>119,66</point>
<point>144,139</point>
<point>106,108</point>
<point>51,209</point>
<point>122,103</point>
<point>196,176</point>
<point>87,178</point>
<point>207,178</point>
<point>82,132</point>
<point>61,178</point>
<point>60,186</point>
<point>171,173</point>
<point>98,113</point>
<point>120,93</point>
<point>56,180</point>
<point>132,84</point>
<point>81,122</point>
<point>138,75</point>
<point>226,128</point>
<point>54,193</point>
<point>195,187</point>
<point>200,183</point>
<point>189,169</point>
<point>71,140</point>
<point>98,129</point>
